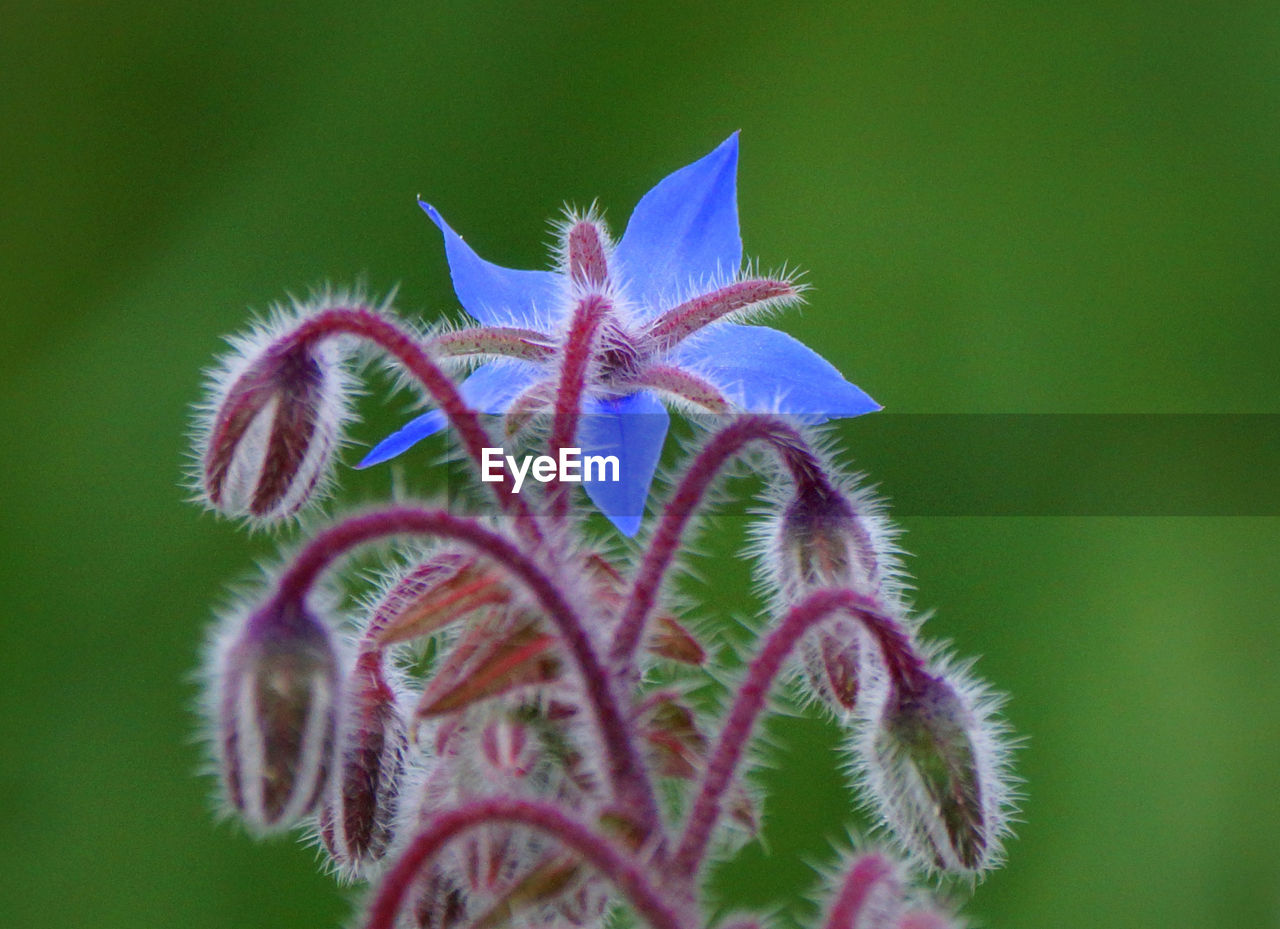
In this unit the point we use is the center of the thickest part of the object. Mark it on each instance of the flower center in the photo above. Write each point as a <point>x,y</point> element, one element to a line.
<point>618,355</point>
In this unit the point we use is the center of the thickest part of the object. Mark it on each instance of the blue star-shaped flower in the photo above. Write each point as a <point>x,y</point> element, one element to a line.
<point>673,287</point>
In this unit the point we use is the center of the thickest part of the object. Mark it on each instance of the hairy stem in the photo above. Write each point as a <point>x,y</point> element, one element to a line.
<point>867,872</point>
<point>901,662</point>
<point>629,777</point>
<point>678,323</point>
<point>404,347</point>
<point>578,350</point>
<point>698,478</point>
<point>625,873</point>
<point>509,341</point>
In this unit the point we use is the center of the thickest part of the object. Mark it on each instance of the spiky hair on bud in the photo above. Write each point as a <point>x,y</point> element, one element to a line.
<point>271,700</point>
<point>358,815</point>
<point>583,249</point>
<point>933,759</point>
<point>274,415</point>
<point>833,532</point>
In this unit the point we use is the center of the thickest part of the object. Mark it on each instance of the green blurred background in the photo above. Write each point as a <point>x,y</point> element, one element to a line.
<point>1002,207</point>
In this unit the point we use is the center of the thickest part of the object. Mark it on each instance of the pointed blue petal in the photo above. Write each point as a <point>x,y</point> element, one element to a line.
<point>494,295</point>
<point>683,232</point>
<point>632,428</point>
<point>763,370</point>
<point>490,389</point>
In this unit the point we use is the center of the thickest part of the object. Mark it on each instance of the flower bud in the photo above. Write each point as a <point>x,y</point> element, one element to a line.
<point>824,542</point>
<point>357,820</point>
<point>273,429</point>
<point>278,683</point>
<point>933,767</point>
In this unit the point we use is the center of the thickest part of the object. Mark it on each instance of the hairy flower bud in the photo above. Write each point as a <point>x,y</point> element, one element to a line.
<point>933,764</point>
<point>277,695</point>
<point>356,821</point>
<point>822,541</point>
<point>273,426</point>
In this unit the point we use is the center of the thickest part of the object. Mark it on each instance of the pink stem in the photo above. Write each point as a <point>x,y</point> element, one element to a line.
<point>868,871</point>
<point>702,472</point>
<point>527,344</point>
<point>627,773</point>
<point>362,322</point>
<point>901,662</point>
<point>602,854</point>
<point>678,323</point>
<point>578,351</point>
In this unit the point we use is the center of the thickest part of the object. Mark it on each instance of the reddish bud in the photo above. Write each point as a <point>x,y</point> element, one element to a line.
<point>356,823</point>
<point>823,542</point>
<point>670,639</point>
<point>278,684</point>
<point>274,428</point>
<point>925,919</point>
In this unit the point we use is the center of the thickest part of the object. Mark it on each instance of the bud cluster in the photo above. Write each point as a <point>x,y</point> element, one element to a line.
<point>512,731</point>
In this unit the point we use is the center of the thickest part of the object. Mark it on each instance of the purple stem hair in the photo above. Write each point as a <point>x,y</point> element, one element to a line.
<point>587,317</point>
<point>404,347</point>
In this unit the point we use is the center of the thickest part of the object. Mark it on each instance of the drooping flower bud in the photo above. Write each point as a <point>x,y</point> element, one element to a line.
<point>934,762</point>
<point>272,427</point>
<point>823,541</point>
<point>277,697</point>
<point>357,819</point>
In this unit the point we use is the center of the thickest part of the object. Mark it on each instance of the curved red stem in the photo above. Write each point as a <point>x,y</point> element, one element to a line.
<point>603,855</point>
<point>901,662</point>
<point>702,472</point>
<point>628,775</point>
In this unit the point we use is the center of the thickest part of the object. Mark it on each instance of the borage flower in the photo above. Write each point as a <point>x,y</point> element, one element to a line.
<point>649,321</point>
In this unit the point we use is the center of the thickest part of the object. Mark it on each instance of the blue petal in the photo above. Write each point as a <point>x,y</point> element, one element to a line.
<point>684,231</point>
<point>766,371</point>
<point>494,295</point>
<point>632,428</point>
<point>490,389</point>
